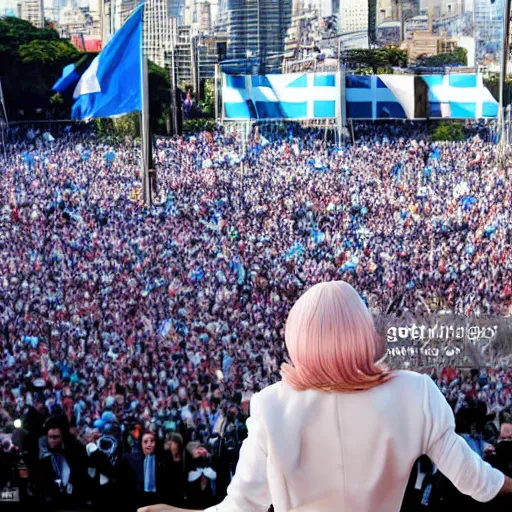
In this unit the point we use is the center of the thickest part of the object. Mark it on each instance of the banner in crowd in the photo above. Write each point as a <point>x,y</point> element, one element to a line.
<point>459,97</point>
<point>399,97</point>
<point>301,96</point>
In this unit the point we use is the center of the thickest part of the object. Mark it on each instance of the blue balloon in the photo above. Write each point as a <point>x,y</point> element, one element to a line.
<point>99,424</point>
<point>108,416</point>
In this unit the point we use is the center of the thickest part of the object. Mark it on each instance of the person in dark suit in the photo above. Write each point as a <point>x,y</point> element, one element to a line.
<point>175,459</point>
<point>61,473</point>
<point>144,476</point>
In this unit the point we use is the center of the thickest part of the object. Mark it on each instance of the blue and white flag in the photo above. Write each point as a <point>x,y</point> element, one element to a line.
<point>112,84</point>
<point>71,74</point>
<point>280,96</point>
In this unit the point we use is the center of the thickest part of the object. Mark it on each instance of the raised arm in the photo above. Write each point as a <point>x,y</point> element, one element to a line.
<point>452,455</point>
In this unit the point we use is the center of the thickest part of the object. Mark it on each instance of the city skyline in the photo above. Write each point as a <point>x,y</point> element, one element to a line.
<point>273,36</point>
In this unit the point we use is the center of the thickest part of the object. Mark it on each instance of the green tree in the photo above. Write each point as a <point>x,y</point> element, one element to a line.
<point>159,98</point>
<point>457,58</point>
<point>197,125</point>
<point>15,32</point>
<point>31,60</point>
<point>449,131</point>
<point>376,60</point>
<point>493,84</point>
<point>208,105</point>
<point>47,52</point>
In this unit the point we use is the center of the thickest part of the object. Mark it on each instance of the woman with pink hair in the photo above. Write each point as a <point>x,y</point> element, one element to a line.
<point>341,432</point>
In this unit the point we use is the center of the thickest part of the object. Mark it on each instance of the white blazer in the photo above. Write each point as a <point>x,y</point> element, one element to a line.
<point>350,452</point>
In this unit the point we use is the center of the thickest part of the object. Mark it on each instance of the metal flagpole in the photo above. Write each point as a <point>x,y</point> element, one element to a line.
<point>174,97</point>
<point>338,113</point>
<point>4,122</point>
<point>2,102</point>
<point>217,68</point>
<point>145,142</point>
<point>504,66</point>
<point>401,18</point>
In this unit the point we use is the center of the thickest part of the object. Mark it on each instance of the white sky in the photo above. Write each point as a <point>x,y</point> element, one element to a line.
<point>7,4</point>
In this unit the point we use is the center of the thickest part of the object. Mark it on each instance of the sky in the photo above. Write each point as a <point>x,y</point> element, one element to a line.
<point>7,4</point>
<point>11,4</point>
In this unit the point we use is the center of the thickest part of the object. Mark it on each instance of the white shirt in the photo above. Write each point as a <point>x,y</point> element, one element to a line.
<point>350,452</point>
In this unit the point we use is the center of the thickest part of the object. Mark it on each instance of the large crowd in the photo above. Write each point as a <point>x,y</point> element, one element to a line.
<point>120,320</point>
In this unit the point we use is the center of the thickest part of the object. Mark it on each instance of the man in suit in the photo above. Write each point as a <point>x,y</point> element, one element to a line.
<point>144,476</point>
<point>61,473</point>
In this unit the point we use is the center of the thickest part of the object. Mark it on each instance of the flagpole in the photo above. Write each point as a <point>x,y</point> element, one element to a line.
<point>146,142</point>
<point>146,145</point>
<point>3,122</point>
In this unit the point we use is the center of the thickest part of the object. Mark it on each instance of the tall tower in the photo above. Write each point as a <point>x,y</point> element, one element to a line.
<point>354,15</point>
<point>488,27</point>
<point>257,29</point>
<point>32,11</point>
<point>158,32</point>
<point>113,15</point>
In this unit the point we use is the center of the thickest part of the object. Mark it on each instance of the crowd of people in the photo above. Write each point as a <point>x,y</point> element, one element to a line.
<point>125,320</point>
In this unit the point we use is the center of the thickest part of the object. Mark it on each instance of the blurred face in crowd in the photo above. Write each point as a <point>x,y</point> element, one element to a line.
<point>175,449</point>
<point>148,444</point>
<point>55,441</point>
<point>200,452</point>
<point>506,432</point>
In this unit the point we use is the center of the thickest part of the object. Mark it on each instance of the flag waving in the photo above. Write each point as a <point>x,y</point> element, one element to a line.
<point>71,75</point>
<point>112,85</point>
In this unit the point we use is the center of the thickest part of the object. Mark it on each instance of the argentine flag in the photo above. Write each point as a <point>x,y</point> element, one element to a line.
<point>71,75</point>
<point>112,85</point>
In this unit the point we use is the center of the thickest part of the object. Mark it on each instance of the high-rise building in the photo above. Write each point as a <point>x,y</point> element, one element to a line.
<point>113,15</point>
<point>256,30</point>
<point>353,16</point>
<point>304,32</point>
<point>488,27</point>
<point>32,11</point>
<point>158,30</point>
<point>200,15</point>
<point>51,10</point>
<point>177,10</point>
<point>183,55</point>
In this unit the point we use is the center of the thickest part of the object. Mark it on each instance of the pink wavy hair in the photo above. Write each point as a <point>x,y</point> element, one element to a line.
<point>332,342</point>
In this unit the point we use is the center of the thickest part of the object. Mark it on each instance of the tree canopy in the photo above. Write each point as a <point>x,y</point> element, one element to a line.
<point>31,61</point>
<point>457,58</point>
<point>46,52</point>
<point>376,60</point>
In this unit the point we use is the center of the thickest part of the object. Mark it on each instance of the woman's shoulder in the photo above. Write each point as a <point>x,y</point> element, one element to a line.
<point>273,394</point>
<point>408,376</point>
<point>405,379</point>
<point>282,392</point>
